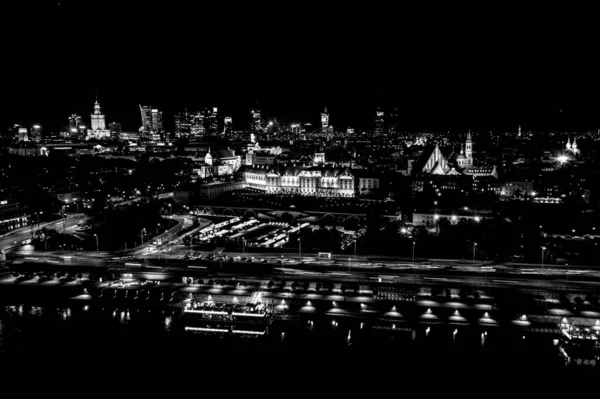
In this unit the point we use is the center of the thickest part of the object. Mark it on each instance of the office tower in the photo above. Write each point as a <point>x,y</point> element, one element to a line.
<point>228,126</point>
<point>197,124</point>
<point>393,122</point>
<point>115,129</point>
<point>98,120</point>
<point>36,133</point>
<point>324,121</point>
<point>23,134</point>
<point>379,122</point>
<point>256,121</point>
<point>151,120</point>
<point>74,123</point>
<point>183,124</point>
<point>211,121</point>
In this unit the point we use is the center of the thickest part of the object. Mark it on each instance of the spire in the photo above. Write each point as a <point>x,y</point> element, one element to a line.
<point>469,135</point>
<point>569,143</point>
<point>462,150</point>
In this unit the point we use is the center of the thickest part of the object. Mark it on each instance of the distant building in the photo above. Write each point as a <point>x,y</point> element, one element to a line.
<point>512,188</point>
<point>218,163</point>
<point>393,122</point>
<point>23,136</point>
<point>115,129</point>
<point>98,119</point>
<point>152,122</point>
<point>325,121</point>
<point>379,122</point>
<point>12,216</point>
<point>295,179</point>
<point>319,157</point>
<point>211,121</point>
<point>256,121</point>
<point>36,133</point>
<point>227,126</point>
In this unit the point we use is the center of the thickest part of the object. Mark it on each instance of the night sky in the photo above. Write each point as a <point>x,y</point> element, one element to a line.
<point>445,69</point>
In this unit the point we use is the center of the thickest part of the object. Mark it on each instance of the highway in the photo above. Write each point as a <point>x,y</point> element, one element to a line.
<point>17,237</point>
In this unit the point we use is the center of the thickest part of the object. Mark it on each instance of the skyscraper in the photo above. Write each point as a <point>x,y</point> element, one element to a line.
<point>98,120</point>
<point>151,120</point>
<point>256,121</point>
<point>182,124</point>
<point>115,129</point>
<point>36,133</point>
<point>379,122</point>
<point>212,121</point>
<point>23,136</point>
<point>228,126</point>
<point>74,122</point>
<point>393,122</point>
<point>197,124</point>
<point>324,121</point>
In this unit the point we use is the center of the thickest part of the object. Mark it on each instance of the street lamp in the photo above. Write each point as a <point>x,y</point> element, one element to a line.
<point>243,245</point>
<point>142,234</point>
<point>413,251</point>
<point>300,247</point>
<point>96,235</point>
<point>543,248</point>
<point>474,246</point>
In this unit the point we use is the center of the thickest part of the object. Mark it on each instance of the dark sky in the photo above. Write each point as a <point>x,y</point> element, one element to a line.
<point>445,69</point>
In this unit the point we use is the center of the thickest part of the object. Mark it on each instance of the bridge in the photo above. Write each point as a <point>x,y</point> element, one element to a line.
<point>275,214</point>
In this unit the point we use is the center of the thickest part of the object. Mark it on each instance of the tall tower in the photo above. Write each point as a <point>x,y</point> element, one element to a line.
<point>469,151</point>
<point>256,121</point>
<point>324,121</point>
<point>519,134</point>
<point>393,122</point>
<point>98,120</point>
<point>379,122</point>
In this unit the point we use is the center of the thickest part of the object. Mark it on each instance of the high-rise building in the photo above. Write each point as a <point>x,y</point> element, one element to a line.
<point>393,122</point>
<point>151,120</point>
<point>212,121</point>
<point>115,129</point>
<point>379,122</point>
<point>227,126</point>
<point>324,121</point>
<point>36,133</point>
<point>146,119</point>
<point>197,124</point>
<point>256,121</point>
<point>74,122</point>
<point>182,124</point>
<point>23,136</point>
<point>98,120</point>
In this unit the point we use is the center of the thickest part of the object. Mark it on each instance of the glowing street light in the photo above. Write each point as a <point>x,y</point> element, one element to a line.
<point>403,230</point>
<point>543,248</point>
<point>562,159</point>
<point>96,235</point>
<point>474,246</point>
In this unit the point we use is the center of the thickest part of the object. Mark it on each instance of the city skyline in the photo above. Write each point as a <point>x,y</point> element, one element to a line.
<point>443,71</point>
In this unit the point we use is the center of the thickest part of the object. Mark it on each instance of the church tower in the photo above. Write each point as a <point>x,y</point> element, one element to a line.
<point>469,151</point>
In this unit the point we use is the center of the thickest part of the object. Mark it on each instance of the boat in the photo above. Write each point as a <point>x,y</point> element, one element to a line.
<point>579,341</point>
<point>208,317</point>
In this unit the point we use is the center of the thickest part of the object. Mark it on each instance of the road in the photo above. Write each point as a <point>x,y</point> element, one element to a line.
<point>17,237</point>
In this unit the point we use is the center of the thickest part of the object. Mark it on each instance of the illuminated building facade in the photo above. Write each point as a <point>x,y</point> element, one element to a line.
<point>196,121</point>
<point>152,122</point>
<point>393,122</point>
<point>36,133</point>
<point>256,121</point>
<point>301,180</point>
<point>98,119</point>
<point>379,122</point>
<point>227,125</point>
<point>23,135</point>
<point>211,121</point>
<point>325,121</point>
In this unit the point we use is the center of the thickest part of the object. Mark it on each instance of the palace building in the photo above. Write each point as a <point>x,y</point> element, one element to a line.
<point>302,180</point>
